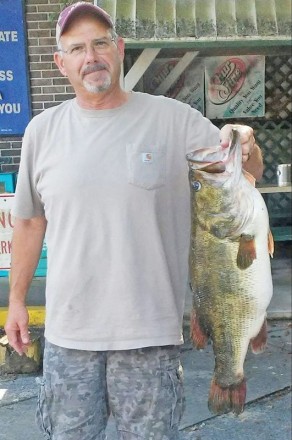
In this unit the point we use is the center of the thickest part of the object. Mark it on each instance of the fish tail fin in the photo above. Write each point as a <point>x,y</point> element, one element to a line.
<point>219,400</point>
<point>238,396</point>
<point>225,399</point>
<point>198,336</point>
<point>259,343</point>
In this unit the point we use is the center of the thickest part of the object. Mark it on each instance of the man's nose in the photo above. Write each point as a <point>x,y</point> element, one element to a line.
<point>90,54</point>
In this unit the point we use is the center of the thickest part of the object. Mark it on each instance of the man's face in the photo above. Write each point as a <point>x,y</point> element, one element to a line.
<point>89,56</point>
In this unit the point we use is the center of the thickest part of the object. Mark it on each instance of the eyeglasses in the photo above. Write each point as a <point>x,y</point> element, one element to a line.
<point>99,46</point>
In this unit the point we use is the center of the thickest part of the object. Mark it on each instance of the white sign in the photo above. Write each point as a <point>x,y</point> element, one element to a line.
<point>235,86</point>
<point>6,229</point>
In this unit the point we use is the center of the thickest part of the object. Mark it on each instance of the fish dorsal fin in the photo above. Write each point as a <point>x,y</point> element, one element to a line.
<point>249,177</point>
<point>271,246</point>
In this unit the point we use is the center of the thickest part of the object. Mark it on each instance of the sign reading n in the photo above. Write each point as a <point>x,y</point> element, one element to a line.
<point>15,111</point>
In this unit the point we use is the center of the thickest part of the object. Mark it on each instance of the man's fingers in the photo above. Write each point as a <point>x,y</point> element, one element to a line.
<point>16,341</point>
<point>16,327</point>
<point>225,135</point>
<point>246,137</point>
<point>24,336</point>
<point>18,336</point>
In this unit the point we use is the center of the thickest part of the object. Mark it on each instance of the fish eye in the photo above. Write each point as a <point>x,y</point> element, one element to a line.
<point>196,185</point>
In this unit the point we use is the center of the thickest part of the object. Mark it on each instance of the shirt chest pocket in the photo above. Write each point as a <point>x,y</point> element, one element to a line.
<point>146,165</point>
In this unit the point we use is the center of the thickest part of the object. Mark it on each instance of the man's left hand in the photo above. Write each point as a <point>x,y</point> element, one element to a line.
<point>246,138</point>
<point>251,153</point>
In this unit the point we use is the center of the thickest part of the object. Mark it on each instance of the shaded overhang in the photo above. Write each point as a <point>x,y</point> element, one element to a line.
<point>198,27</point>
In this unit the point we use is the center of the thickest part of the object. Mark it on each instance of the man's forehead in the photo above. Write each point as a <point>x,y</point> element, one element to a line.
<point>94,30</point>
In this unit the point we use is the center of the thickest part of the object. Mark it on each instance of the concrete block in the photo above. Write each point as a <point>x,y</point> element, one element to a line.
<point>12,362</point>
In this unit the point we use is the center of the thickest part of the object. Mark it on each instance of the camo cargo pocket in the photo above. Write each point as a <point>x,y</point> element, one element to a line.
<point>146,166</point>
<point>42,411</point>
<point>172,380</point>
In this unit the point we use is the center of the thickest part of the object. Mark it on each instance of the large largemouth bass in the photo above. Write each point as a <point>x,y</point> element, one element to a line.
<point>230,271</point>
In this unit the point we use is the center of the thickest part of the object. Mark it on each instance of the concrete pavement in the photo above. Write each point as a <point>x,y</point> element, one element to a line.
<point>267,413</point>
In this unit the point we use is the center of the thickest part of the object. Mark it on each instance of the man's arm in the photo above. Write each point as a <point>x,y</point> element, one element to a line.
<point>254,163</point>
<point>27,240</point>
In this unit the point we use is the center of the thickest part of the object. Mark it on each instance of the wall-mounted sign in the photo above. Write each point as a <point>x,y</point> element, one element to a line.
<point>235,86</point>
<point>189,87</point>
<point>15,111</point>
<point>6,229</point>
<point>6,232</point>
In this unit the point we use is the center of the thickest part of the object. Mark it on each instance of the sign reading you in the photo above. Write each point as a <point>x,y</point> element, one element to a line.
<point>15,111</point>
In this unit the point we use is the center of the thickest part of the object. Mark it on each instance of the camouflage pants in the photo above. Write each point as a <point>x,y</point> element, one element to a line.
<point>142,388</point>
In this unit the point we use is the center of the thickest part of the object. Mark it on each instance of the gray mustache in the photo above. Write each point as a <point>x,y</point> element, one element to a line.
<point>94,68</point>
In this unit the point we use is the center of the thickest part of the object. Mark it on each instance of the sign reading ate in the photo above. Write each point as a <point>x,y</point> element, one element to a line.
<point>15,111</point>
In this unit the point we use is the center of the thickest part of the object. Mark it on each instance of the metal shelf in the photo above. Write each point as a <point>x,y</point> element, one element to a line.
<point>196,44</point>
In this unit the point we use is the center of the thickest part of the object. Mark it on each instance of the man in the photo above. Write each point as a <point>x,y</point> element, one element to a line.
<point>104,176</point>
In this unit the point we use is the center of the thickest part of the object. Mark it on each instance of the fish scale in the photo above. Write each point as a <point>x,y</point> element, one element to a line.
<point>230,271</point>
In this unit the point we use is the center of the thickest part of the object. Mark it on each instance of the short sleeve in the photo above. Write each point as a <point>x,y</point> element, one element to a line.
<point>200,132</point>
<point>27,202</point>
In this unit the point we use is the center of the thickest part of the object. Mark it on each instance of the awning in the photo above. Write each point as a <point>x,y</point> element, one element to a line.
<point>195,26</point>
<point>200,19</point>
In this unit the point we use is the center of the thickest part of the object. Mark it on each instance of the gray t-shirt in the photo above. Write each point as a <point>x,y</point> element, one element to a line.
<point>113,186</point>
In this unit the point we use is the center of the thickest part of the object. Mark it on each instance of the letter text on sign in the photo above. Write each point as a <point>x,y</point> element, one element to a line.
<point>6,230</point>
<point>235,86</point>
<point>15,106</point>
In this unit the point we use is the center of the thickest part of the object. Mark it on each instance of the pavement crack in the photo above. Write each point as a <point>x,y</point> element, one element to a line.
<point>276,394</point>
<point>16,401</point>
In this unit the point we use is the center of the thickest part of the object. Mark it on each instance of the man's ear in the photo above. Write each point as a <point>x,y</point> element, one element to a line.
<point>121,48</point>
<point>60,63</point>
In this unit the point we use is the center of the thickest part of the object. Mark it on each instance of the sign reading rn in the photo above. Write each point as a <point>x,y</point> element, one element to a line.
<point>15,111</point>
<point>6,229</point>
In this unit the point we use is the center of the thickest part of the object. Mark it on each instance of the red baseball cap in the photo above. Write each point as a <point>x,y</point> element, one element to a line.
<point>76,8</point>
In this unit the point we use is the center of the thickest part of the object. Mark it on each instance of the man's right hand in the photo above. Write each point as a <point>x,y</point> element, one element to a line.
<point>27,240</point>
<point>16,327</point>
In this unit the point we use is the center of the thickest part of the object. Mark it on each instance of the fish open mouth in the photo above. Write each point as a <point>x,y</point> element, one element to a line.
<point>211,160</point>
<point>215,159</point>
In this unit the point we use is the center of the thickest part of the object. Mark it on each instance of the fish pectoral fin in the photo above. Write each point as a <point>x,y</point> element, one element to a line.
<point>259,343</point>
<point>198,336</point>
<point>271,246</point>
<point>249,177</point>
<point>246,251</point>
